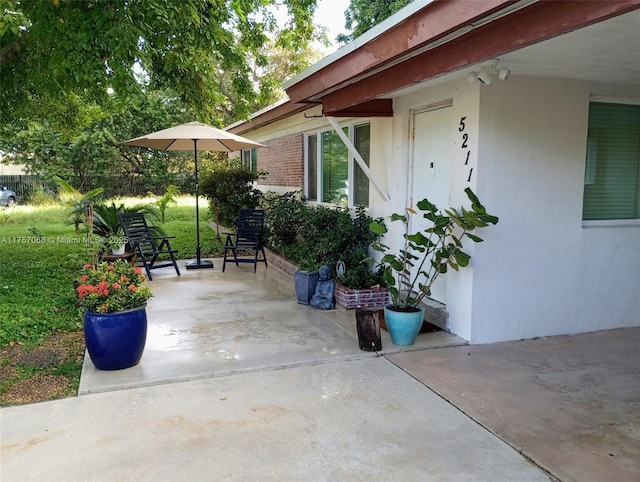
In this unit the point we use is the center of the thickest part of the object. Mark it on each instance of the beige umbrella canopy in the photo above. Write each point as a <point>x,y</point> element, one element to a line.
<point>183,137</point>
<point>194,136</point>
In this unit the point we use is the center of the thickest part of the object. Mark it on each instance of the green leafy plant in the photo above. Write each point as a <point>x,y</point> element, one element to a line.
<point>106,223</point>
<point>111,287</point>
<point>168,198</point>
<point>228,191</point>
<point>312,236</point>
<point>426,254</point>
<point>76,201</point>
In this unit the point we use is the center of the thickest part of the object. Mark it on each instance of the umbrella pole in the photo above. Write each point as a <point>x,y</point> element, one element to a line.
<point>198,263</point>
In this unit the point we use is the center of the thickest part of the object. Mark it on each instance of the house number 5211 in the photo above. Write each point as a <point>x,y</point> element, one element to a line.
<point>465,145</point>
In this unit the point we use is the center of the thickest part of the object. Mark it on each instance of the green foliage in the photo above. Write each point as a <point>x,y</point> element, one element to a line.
<point>111,287</point>
<point>228,191</point>
<point>36,280</point>
<point>362,15</point>
<point>207,52</point>
<point>41,196</point>
<point>76,201</point>
<point>168,198</point>
<point>316,235</point>
<point>36,293</point>
<point>78,141</point>
<point>283,212</point>
<point>426,254</point>
<point>107,230</point>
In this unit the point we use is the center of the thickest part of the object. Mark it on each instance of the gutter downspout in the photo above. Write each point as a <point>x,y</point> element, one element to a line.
<point>356,155</point>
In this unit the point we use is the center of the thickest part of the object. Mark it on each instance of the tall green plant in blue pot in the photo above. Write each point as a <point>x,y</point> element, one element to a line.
<point>114,297</point>
<point>411,272</point>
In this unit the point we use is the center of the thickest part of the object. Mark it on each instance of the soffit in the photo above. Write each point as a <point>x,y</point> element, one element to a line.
<point>594,40</point>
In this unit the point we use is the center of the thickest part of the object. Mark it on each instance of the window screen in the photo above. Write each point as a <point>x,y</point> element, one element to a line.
<point>612,173</point>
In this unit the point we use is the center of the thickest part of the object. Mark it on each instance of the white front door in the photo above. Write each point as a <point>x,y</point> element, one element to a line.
<point>432,151</point>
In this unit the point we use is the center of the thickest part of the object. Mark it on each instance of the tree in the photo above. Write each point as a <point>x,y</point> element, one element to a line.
<point>86,152</point>
<point>204,51</point>
<point>362,15</point>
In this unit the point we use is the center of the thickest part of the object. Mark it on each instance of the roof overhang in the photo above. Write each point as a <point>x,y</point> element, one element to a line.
<point>427,41</point>
<point>472,43</point>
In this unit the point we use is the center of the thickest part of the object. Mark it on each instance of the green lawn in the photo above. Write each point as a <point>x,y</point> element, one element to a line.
<point>41,340</point>
<point>40,255</point>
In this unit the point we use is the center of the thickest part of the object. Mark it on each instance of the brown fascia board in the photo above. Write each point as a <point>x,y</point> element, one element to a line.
<point>269,116</point>
<point>371,108</point>
<point>530,25</point>
<point>435,21</point>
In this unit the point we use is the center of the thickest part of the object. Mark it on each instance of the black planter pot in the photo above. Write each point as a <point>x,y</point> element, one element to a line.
<point>305,284</point>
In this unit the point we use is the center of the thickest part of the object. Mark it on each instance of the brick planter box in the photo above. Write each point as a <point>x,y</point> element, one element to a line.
<point>345,297</point>
<point>362,298</point>
<point>284,267</point>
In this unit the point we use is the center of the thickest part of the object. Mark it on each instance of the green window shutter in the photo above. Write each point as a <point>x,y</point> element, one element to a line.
<point>612,174</point>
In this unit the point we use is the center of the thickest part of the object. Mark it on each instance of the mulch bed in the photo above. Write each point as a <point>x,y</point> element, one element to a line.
<point>29,375</point>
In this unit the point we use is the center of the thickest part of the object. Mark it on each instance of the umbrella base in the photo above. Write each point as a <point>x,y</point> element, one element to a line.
<point>199,264</point>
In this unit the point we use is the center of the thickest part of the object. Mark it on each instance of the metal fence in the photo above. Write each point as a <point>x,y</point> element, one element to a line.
<point>24,185</point>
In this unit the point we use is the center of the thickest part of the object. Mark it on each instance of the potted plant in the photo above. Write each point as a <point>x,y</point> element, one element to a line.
<point>426,254</point>
<point>113,297</point>
<point>305,279</point>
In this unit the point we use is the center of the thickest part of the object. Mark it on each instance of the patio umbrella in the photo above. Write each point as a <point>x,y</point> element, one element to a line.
<point>199,137</point>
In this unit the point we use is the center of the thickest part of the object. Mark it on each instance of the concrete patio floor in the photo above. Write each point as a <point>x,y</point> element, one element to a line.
<point>206,324</point>
<point>239,382</point>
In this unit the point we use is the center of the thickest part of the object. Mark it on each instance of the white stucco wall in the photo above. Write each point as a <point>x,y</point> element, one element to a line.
<point>540,272</point>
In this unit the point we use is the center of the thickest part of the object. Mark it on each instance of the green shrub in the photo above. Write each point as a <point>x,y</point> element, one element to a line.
<point>228,191</point>
<point>42,196</point>
<point>316,235</point>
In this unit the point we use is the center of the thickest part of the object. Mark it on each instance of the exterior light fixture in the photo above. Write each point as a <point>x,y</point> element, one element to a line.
<point>484,77</point>
<point>487,72</point>
<point>504,73</point>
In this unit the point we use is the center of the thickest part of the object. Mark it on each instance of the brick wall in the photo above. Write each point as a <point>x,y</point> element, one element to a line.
<point>364,298</point>
<point>284,161</point>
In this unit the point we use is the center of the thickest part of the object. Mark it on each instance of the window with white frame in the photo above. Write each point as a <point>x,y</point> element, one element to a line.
<point>332,174</point>
<point>250,159</point>
<point>612,173</point>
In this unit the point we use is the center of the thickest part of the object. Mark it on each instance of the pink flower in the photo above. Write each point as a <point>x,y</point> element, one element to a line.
<point>103,288</point>
<point>84,290</point>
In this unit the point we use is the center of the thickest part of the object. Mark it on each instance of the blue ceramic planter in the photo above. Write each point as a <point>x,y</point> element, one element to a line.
<point>403,326</point>
<point>116,340</point>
